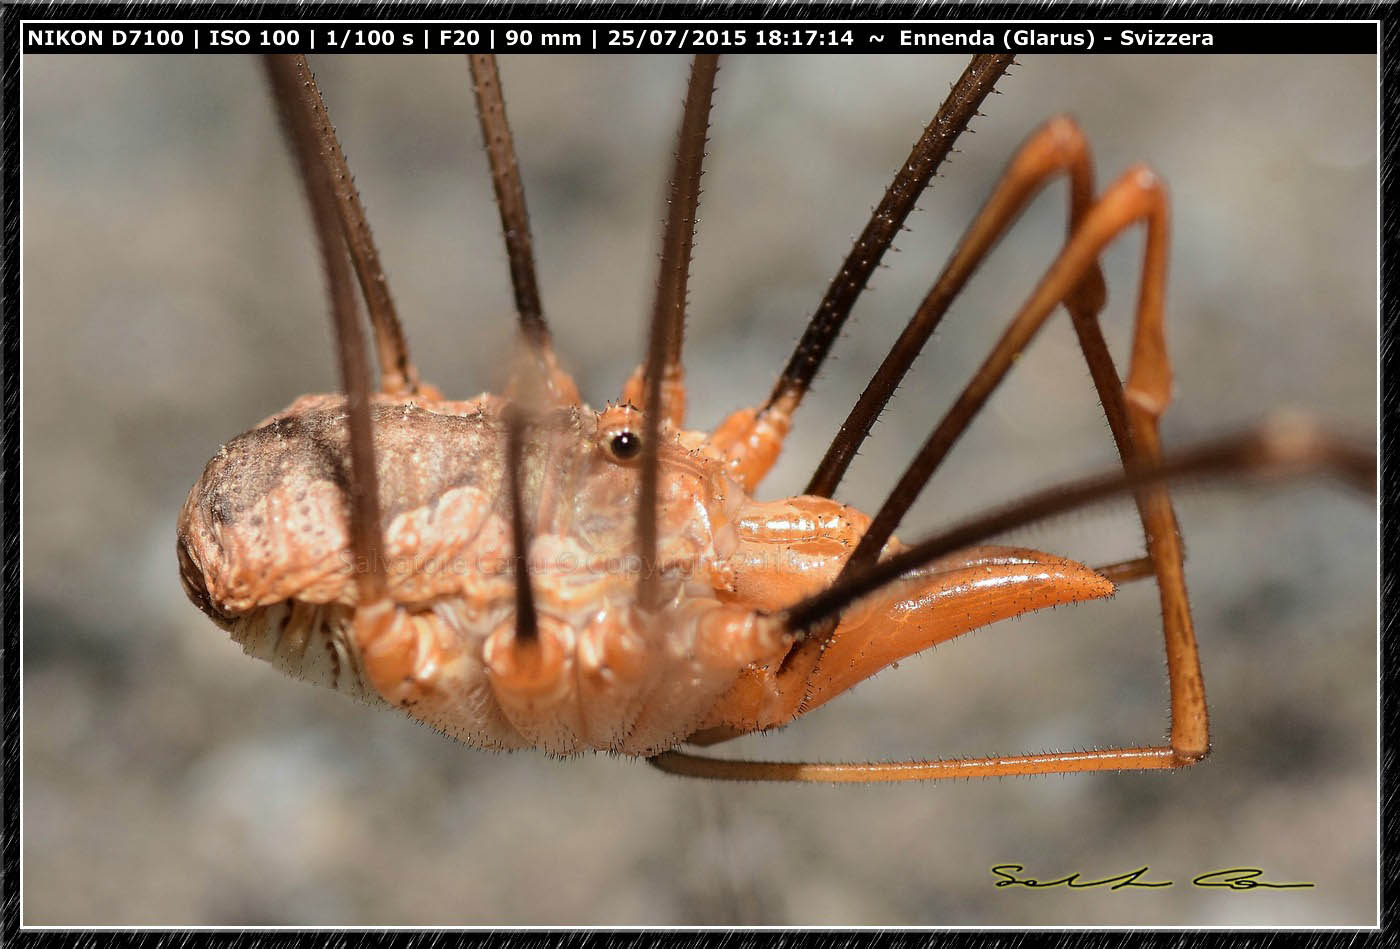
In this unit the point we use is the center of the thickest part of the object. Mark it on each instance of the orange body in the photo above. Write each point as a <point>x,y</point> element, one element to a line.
<point>265,551</point>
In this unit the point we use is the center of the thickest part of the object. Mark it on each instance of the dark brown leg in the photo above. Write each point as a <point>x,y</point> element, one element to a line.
<point>287,76</point>
<point>750,439</point>
<point>1138,195</point>
<point>526,622</point>
<point>559,387</point>
<point>918,169</point>
<point>663,362</point>
<point>510,194</point>
<point>1056,148</point>
<point>397,374</point>
<point>1028,172</point>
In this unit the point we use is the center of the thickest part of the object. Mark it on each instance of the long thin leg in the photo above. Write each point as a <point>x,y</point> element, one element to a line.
<point>397,374</point>
<point>1028,172</point>
<point>515,224</point>
<point>1138,195</point>
<point>933,147</point>
<point>677,246</point>
<point>750,439</point>
<point>510,194</point>
<point>1150,368</point>
<point>526,621</point>
<point>663,363</point>
<point>287,76</point>
<point>1284,447</point>
<point>889,772</point>
<point>1056,148</point>
<point>1076,282</point>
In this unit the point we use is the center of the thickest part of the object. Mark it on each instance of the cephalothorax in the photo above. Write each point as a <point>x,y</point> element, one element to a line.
<point>524,571</point>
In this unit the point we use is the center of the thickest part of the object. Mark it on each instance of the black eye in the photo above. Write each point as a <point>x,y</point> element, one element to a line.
<point>625,445</point>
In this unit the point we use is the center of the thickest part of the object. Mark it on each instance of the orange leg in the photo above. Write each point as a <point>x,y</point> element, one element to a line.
<point>749,441</point>
<point>1288,445</point>
<point>1138,195</point>
<point>883,772</point>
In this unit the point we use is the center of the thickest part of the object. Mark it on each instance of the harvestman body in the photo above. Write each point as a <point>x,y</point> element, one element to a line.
<point>524,571</point>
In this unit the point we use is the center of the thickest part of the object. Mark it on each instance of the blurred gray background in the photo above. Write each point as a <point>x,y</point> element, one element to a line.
<point>172,299</point>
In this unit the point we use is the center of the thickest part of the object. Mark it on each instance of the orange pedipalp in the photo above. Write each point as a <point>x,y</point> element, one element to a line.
<point>952,596</point>
<point>990,584</point>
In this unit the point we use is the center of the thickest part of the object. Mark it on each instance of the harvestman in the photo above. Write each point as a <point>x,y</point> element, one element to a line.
<point>319,538</point>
